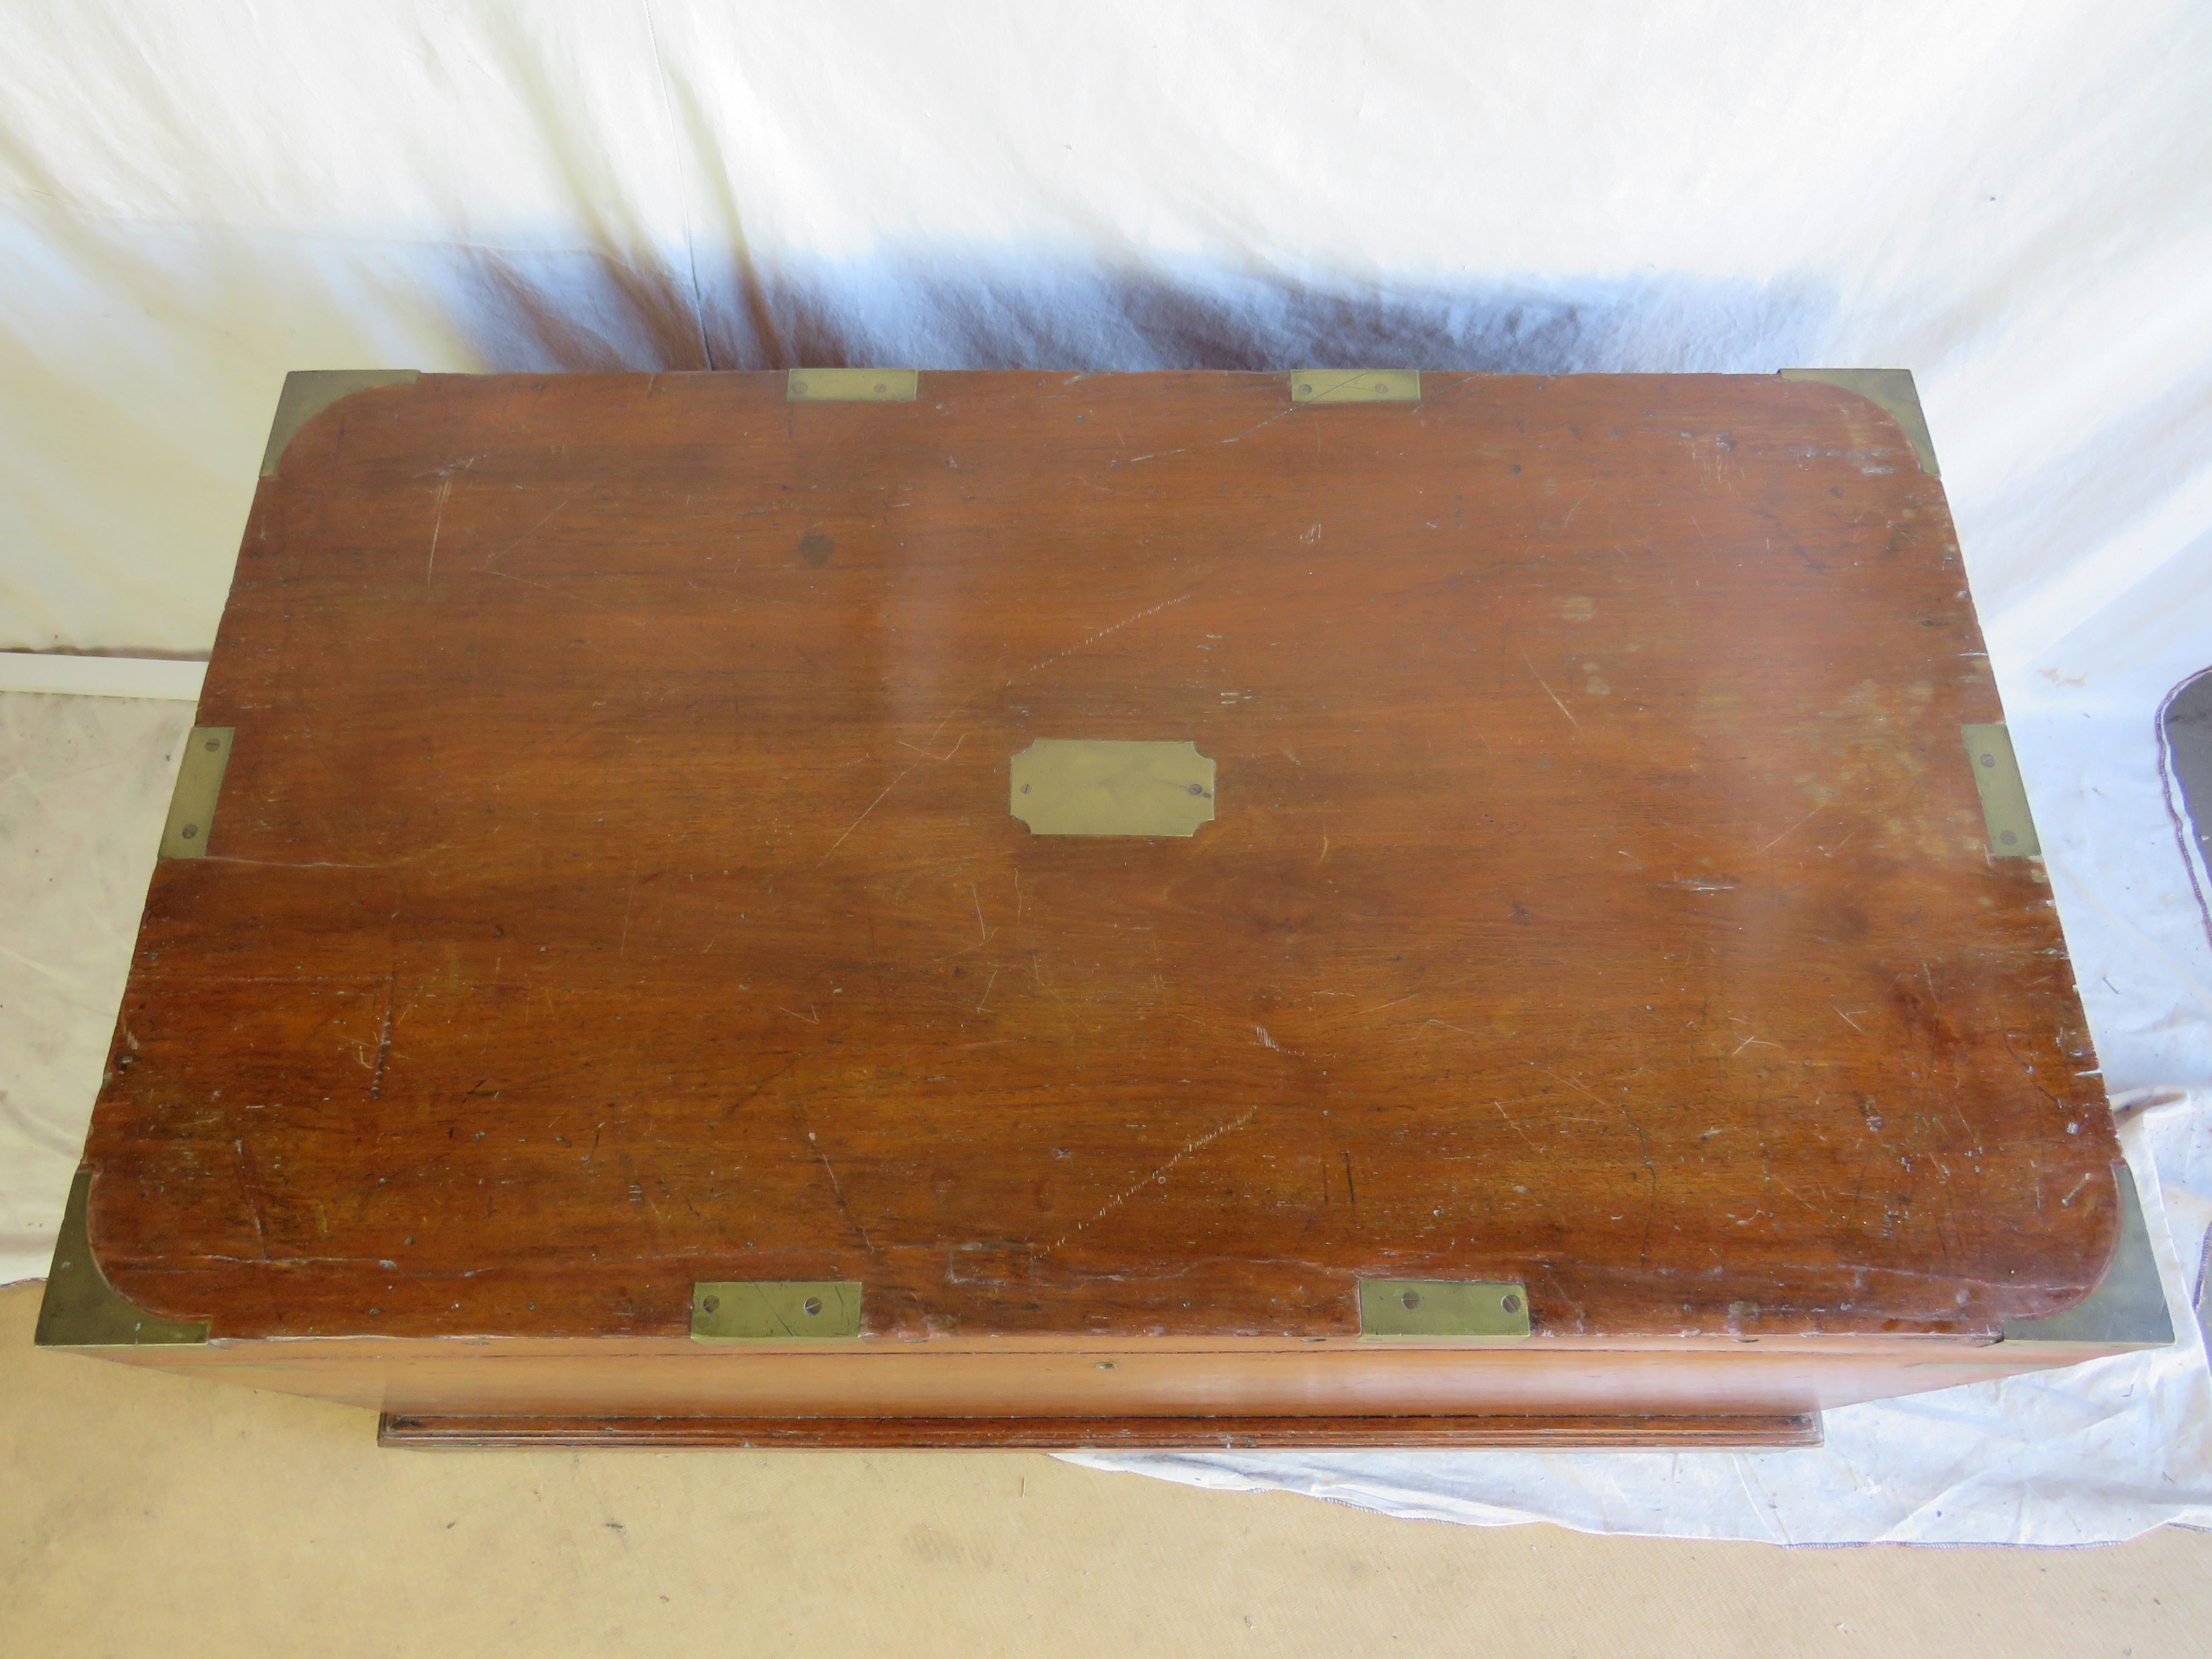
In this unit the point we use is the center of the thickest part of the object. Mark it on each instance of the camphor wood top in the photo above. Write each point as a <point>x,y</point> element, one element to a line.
<point>614,887</point>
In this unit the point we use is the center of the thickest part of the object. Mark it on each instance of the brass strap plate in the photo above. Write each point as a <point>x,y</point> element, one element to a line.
<point>1472,1309</point>
<point>1071,786</point>
<point>2004,798</point>
<point>199,781</point>
<point>852,386</point>
<point>1356,385</point>
<point>775,1310</point>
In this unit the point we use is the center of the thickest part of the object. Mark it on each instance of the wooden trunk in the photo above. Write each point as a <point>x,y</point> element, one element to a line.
<point>1150,909</point>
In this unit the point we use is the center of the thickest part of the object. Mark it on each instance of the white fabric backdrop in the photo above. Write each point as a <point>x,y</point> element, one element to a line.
<point>2015,201</point>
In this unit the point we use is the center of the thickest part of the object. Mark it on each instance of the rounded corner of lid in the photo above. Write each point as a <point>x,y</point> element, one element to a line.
<point>308,393</point>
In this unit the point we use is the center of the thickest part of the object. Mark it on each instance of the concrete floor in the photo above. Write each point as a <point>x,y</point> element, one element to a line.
<point>142,1514</point>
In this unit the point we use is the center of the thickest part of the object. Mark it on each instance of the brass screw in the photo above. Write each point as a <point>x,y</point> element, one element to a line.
<point>812,1304</point>
<point>708,1304</point>
<point>1512,1303</point>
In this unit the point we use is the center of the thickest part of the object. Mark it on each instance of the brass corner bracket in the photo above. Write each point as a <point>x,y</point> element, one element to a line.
<point>81,1310</point>
<point>2127,1306</point>
<point>308,392</point>
<point>1890,390</point>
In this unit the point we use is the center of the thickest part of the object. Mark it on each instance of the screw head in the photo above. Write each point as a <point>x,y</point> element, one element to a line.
<point>799,386</point>
<point>812,1304</point>
<point>189,831</point>
<point>708,1304</point>
<point>212,744</point>
<point>1511,1304</point>
<point>1410,1298</point>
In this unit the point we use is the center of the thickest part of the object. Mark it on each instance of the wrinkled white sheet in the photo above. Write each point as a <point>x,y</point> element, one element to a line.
<point>2013,201</point>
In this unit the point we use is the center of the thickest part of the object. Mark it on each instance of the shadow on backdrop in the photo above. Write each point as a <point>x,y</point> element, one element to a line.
<point>978,308</point>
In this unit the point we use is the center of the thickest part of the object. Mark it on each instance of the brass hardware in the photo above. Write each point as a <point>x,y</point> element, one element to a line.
<point>2004,798</point>
<point>1891,390</point>
<point>852,386</point>
<point>199,781</point>
<point>1356,385</point>
<point>2127,1305</point>
<point>308,392</point>
<point>1470,1309</point>
<point>764,1310</point>
<point>1085,787</point>
<point>81,1310</point>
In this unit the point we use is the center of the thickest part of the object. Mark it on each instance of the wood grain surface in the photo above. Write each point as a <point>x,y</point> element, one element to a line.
<point>1696,1433</point>
<point>613,886</point>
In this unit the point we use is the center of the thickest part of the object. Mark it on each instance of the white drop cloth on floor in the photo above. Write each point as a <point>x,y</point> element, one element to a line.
<point>2016,202</point>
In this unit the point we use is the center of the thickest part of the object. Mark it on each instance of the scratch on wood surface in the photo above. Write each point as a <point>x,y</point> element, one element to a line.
<point>981,927</point>
<point>384,1040</point>
<point>987,984</point>
<point>1548,692</point>
<point>1085,645</point>
<point>1572,1083</point>
<point>812,1016</point>
<point>1157,1177</point>
<point>445,489</point>
<point>245,1185</point>
<point>1514,1124</point>
<point>838,1193</point>
<point>1746,1043</point>
<point>1849,1021</point>
<point>942,758</point>
<point>275,864</point>
<point>1800,824</point>
<point>524,537</point>
<point>864,811</point>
